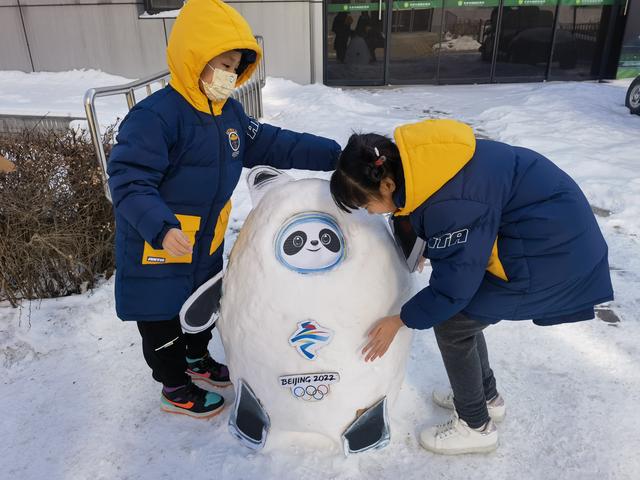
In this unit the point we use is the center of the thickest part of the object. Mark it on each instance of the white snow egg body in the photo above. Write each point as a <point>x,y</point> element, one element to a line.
<point>304,285</point>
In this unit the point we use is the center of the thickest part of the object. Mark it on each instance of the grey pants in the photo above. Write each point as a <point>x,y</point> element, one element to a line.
<point>464,352</point>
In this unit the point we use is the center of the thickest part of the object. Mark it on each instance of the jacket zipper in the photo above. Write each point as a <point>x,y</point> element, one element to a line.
<point>222,156</point>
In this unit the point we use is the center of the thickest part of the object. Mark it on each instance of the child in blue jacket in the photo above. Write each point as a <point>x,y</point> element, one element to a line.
<point>509,236</point>
<point>178,158</point>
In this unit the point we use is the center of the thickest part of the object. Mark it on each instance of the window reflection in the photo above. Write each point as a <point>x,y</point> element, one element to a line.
<point>413,51</point>
<point>461,49</point>
<point>525,42</point>
<point>579,42</point>
<point>457,41</point>
<point>355,43</point>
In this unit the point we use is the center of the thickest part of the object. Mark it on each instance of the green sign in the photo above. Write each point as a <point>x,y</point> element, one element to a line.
<point>354,7</point>
<point>471,3</point>
<point>530,3</point>
<point>452,4</point>
<point>419,5</point>
<point>588,3</point>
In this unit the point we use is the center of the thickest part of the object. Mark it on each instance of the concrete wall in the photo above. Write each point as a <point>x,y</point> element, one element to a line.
<point>58,35</point>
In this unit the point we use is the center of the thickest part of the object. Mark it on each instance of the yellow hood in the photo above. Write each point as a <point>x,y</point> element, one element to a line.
<point>204,29</point>
<point>432,152</point>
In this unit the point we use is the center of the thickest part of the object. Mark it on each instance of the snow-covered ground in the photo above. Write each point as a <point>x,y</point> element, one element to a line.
<point>77,400</point>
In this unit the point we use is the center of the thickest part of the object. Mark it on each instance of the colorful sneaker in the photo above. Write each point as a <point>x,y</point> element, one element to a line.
<point>191,400</point>
<point>455,437</point>
<point>496,406</point>
<point>207,372</point>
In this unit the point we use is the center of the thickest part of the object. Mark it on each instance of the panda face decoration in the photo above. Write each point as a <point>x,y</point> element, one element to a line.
<point>310,243</point>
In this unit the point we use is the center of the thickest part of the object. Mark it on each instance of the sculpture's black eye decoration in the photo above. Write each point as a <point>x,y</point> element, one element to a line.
<point>294,242</point>
<point>330,240</point>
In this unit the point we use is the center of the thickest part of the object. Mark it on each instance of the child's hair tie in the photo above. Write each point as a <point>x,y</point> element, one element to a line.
<point>380,158</point>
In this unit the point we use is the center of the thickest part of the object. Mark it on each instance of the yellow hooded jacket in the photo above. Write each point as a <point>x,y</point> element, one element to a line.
<point>461,195</point>
<point>203,30</point>
<point>178,160</point>
<point>432,153</point>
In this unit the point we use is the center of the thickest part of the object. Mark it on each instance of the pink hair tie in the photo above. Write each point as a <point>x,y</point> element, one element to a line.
<point>381,158</point>
<point>380,161</point>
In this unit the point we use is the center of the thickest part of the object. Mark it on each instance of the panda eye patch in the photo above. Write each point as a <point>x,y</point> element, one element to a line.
<point>330,240</point>
<point>294,242</point>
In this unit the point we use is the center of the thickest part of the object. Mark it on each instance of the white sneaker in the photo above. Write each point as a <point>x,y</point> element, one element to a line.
<point>455,437</point>
<point>495,406</point>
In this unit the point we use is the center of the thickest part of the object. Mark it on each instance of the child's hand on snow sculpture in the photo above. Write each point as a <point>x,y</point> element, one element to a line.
<point>381,336</point>
<point>176,243</point>
<point>421,264</point>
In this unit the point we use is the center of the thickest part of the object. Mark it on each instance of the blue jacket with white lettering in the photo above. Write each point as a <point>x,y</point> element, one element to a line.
<point>509,234</point>
<point>175,166</point>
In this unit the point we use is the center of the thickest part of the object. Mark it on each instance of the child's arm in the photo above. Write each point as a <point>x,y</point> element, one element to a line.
<point>136,167</point>
<point>283,149</point>
<point>463,232</point>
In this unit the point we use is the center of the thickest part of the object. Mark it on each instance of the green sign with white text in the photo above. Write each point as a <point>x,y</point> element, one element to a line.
<point>452,4</point>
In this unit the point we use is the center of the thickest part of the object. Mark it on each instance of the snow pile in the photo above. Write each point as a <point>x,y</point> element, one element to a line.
<point>457,44</point>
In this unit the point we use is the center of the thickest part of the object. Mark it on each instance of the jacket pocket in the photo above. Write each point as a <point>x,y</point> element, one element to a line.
<point>189,224</point>
<point>221,228</point>
<point>495,265</point>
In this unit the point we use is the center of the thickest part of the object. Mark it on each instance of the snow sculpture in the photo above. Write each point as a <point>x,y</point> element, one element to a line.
<point>304,284</point>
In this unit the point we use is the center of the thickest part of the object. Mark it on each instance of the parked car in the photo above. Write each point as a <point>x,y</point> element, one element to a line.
<point>633,96</point>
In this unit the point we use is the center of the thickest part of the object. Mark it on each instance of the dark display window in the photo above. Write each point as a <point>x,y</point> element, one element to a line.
<point>414,42</point>
<point>468,41</point>
<point>579,44</point>
<point>156,6</point>
<point>355,43</point>
<point>466,49</point>
<point>524,45</point>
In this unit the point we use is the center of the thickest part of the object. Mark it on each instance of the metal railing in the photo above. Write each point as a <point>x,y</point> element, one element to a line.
<point>249,95</point>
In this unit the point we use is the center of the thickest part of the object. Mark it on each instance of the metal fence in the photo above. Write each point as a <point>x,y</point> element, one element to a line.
<point>249,94</point>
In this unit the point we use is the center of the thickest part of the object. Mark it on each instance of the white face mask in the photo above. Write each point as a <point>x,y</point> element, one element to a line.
<point>221,86</point>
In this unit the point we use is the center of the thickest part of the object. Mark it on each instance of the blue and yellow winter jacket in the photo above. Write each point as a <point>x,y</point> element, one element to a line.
<point>177,161</point>
<point>509,234</point>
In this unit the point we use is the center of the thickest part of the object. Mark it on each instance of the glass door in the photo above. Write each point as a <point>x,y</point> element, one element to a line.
<point>414,41</point>
<point>526,35</point>
<point>465,41</point>
<point>466,49</point>
<point>580,38</point>
<point>355,42</point>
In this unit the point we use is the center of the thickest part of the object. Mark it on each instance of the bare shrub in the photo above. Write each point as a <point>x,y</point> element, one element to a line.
<point>56,226</point>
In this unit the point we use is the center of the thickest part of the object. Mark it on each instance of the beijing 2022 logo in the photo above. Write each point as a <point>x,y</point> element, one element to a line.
<point>309,337</point>
<point>311,387</point>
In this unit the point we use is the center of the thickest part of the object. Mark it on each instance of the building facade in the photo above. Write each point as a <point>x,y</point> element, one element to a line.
<point>342,42</point>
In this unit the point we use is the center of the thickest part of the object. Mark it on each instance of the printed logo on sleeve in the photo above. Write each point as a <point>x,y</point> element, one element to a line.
<point>253,128</point>
<point>449,239</point>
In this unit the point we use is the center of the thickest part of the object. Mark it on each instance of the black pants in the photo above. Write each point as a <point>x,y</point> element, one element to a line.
<point>168,363</point>
<point>466,360</point>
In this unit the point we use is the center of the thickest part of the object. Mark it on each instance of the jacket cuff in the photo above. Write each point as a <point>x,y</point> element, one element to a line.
<point>157,241</point>
<point>153,223</point>
<point>336,155</point>
<point>414,317</point>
